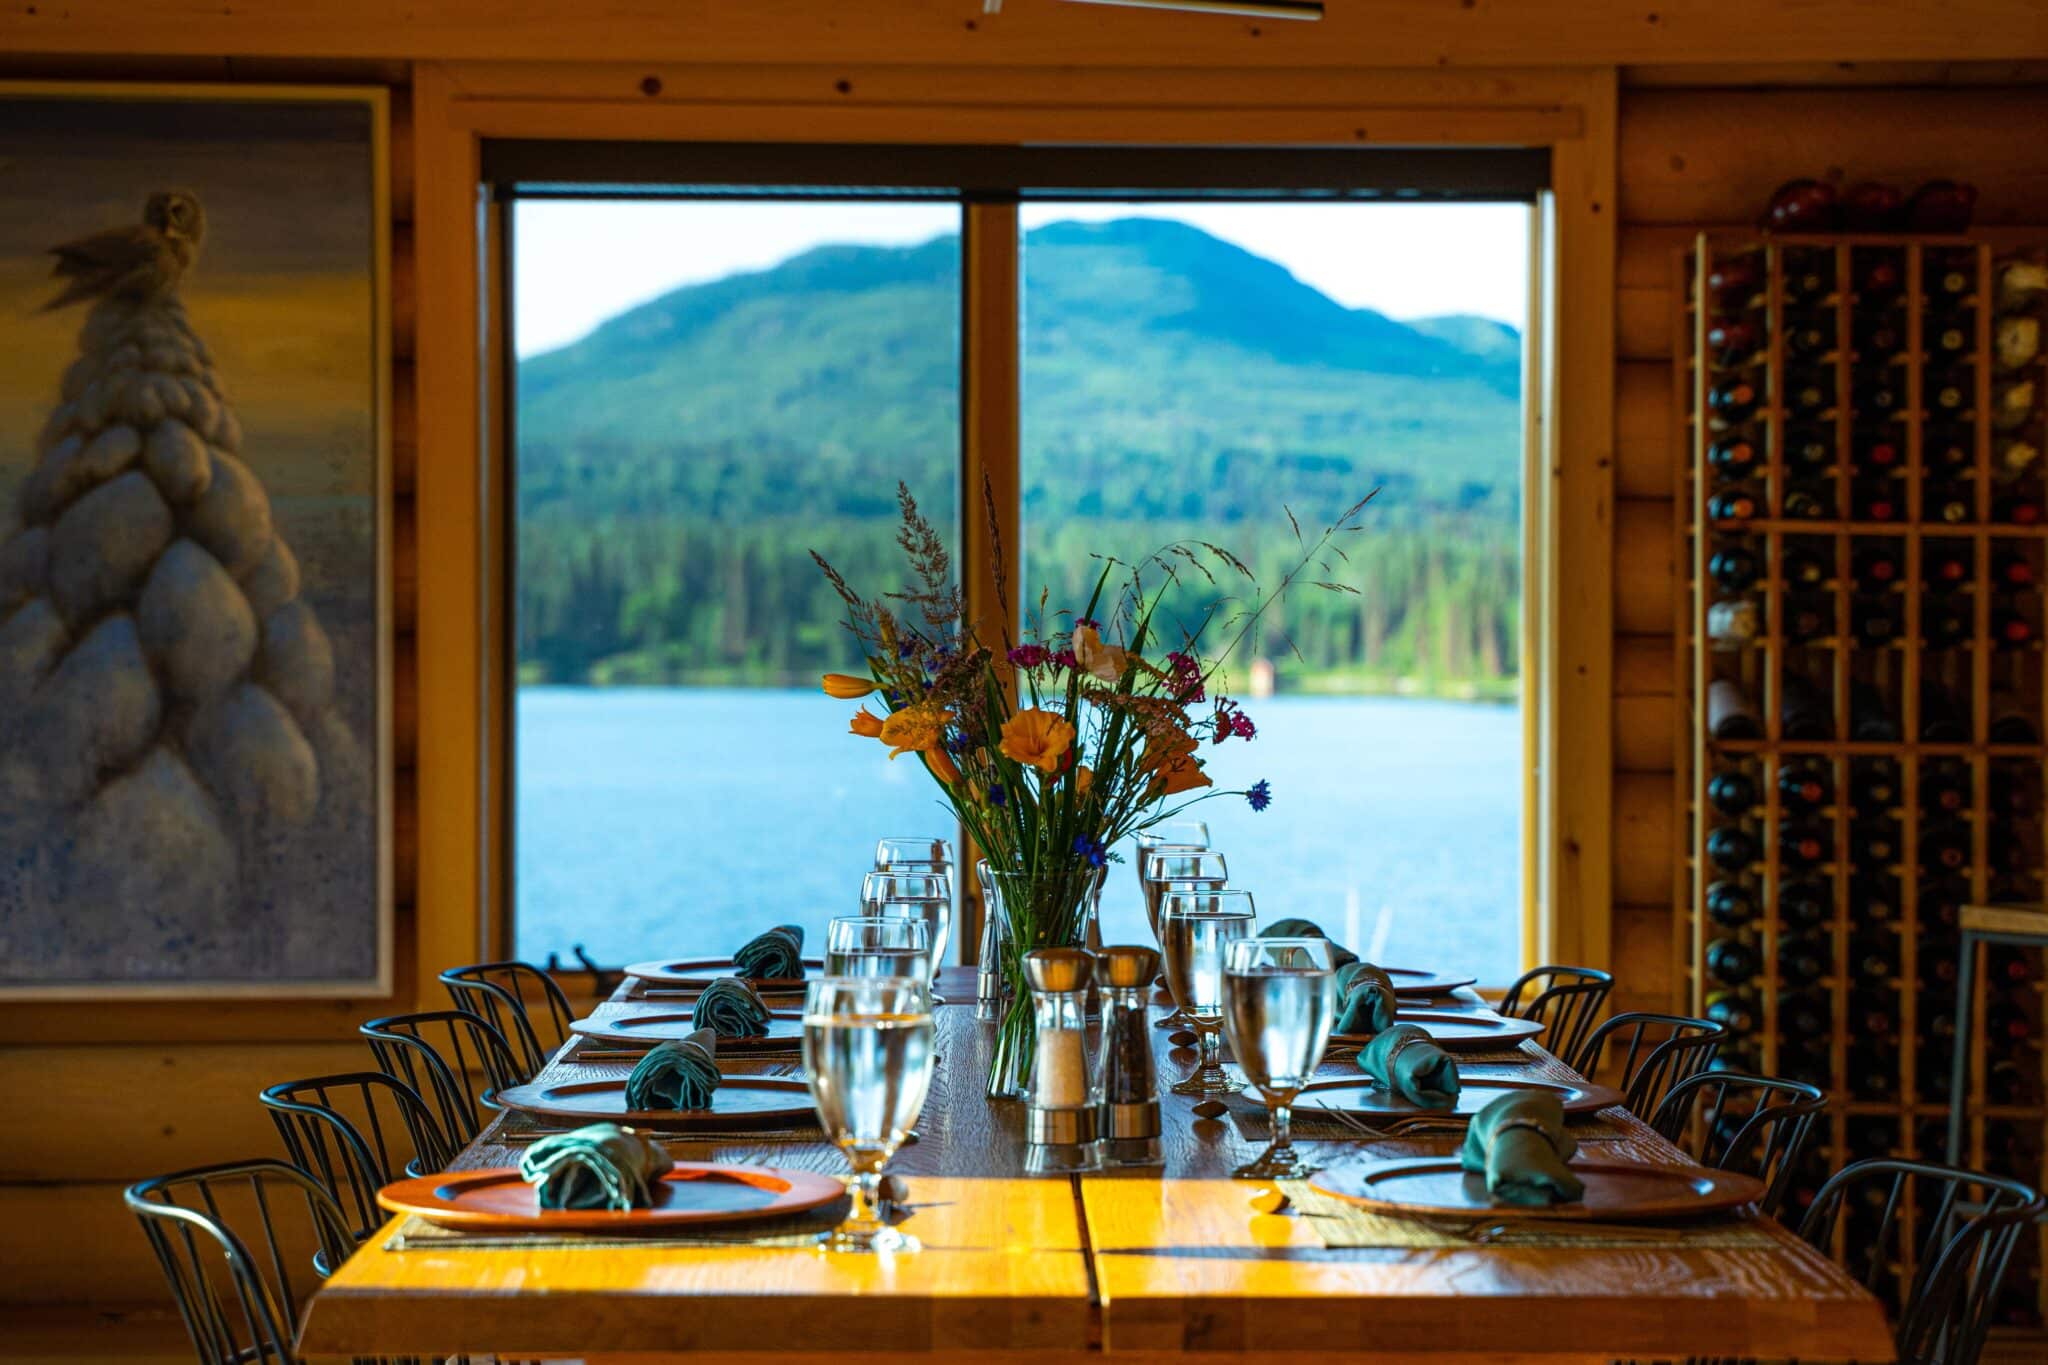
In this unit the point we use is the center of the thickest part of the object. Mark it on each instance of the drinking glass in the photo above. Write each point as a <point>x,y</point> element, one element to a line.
<point>1195,927</point>
<point>876,946</point>
<point>1188,835</point>
<point>868,1062</point>
<point>915,853</point>
<point>1184,867</point>
<point>930,894</point>
<point>1279,1001</point>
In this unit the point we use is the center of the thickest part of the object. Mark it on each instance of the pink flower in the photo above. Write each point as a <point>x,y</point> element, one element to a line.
<point>1030,656</point>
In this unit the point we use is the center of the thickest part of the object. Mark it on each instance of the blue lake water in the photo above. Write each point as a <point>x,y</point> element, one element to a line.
<point>655,821</point>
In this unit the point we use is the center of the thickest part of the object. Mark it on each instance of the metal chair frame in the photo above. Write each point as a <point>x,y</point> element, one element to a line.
<point>1771,1139</point>
<point>350,1163</point>
<point>498,992</point>
<point>1647,1075</point>
<point>458,1090</point>
<point>1566,1001</point>
<point>1961,1260</point>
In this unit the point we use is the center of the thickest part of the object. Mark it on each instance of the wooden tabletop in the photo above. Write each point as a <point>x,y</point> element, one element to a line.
<point>1132,1263</point>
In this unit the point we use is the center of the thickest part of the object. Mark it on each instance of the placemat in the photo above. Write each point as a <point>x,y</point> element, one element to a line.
<point>1341,1225</point>
<point>804,1230</point>
<point>1514,1056</point>
<point>1255,1126</point>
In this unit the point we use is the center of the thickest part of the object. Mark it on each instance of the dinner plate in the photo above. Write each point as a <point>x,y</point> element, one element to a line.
<point>1616,1191</point>
<point>660,1024</point>
<point>702,971</point>
<point>1363,1095</point>
<point>693,1193</point>
<point>739,1102</point>
<point>1457,1032</point>
<point>1409,981</point>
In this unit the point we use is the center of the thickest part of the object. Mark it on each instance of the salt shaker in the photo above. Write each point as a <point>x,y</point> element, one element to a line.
<point>1061,1118</point>
<point>1128,1123</point>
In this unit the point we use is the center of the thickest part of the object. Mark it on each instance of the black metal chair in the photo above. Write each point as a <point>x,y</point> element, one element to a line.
<point>1565,1000</point>
<point>452,1059</point>
<point>1966,1239</point>
<point>225,1236</point>
<point>1662,1050</point>
<point>509,994</point>
<point>356,1133</point>
<point>1756,1124</point>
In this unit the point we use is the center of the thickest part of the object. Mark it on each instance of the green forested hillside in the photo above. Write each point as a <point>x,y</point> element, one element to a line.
<point>676,465</point>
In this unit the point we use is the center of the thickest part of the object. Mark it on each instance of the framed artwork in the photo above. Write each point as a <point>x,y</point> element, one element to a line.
<point>194,656</point>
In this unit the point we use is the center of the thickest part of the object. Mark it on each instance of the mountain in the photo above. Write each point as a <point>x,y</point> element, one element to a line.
<point>1483,338</point>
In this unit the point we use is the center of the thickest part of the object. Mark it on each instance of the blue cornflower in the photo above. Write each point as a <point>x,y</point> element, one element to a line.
<point>1261,794</point>
<point>996,795</point>
<point>1090,848</point>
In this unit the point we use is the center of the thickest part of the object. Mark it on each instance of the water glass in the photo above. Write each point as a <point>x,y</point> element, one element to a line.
<point>1184,866</point>
<point>1189,835</point>
<point>915,853</point>
<point>878,946</point>
<point>1196,927</point>
<point>928,894</point>
<point>868,1062</point>
<point>1279,1001</point>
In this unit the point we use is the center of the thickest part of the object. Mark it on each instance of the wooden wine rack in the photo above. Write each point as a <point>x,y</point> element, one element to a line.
<point>1838,660</point>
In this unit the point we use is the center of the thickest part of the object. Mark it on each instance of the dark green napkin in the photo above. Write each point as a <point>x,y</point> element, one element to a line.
<point>1519,1141</point>
<point>1308,928</point>
<point>777,955</point>
<point>1406,1061</point>
<point>1365,999</point>
<point>731,1008</point>
<point>602,1166</point>
<point>677,1075</point>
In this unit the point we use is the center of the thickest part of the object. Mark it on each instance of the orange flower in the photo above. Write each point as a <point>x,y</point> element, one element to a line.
<point>866,724</point>
<point>1173,765</point>
<point>1084,778</point>
<point>846,687</point>
<point>941,764</point>
<point>1037,738</point>
<point>914,729</point>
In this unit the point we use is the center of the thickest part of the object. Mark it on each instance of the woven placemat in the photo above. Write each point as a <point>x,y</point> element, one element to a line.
<point>1505,1057</point>
<point>1341,1225</point>
<point>1254,1125</point>
<point>803,1230</point>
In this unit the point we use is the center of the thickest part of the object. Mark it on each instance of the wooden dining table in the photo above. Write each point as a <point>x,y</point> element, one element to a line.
<point>1134,1263</point>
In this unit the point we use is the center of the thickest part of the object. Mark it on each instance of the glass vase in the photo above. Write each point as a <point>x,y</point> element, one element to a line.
<point>1054,908</point>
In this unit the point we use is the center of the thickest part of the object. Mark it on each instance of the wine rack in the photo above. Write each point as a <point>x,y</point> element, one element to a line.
<point>1864,528</point>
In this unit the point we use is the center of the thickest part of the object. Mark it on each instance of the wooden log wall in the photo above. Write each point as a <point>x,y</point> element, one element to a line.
<point>1692,157</point>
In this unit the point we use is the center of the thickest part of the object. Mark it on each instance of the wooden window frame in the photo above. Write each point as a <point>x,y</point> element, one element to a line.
<point>463,580</point>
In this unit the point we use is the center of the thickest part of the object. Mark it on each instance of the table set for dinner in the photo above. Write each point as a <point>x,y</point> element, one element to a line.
<point>1235,1138</point>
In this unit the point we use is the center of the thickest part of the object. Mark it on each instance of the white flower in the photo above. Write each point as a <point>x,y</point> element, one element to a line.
<point>1103,661</point>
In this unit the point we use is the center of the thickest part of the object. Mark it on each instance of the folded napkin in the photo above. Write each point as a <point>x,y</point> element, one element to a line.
<point>1365,999</point>
<point>1308,928</point>
<point>1520,1143</point>
<point>677,1075</point>
<point>1406,1061</point>
<point>732,1009</point>
<point>602,1166</point>
<point>777,955</point>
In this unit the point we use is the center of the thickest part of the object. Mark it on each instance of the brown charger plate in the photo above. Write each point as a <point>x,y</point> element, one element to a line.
<point>660,1023</point>
<point>1457,1032</point>
<point>692,1194</point>
<point>739,1101</point>
<point>702,971</point>
<point>1362,1095</point>
<point>1410,981</point>
<point>1616,1191</point>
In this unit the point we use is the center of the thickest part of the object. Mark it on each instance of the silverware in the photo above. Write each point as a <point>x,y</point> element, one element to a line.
<point>1485,1232</point>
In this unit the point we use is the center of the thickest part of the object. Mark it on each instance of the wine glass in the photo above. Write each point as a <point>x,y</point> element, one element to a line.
<point>929,894</point>
<point>868,1062</point>
<point>1195,927</point>
<point>877,946</point>
<point>1187,835</point>
<point>1178,866</point>
<point>1279,1001</point>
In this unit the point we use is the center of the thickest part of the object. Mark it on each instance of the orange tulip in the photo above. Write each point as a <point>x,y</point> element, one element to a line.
<point>846,687</point>
<point>866,724</point>
<point>1037,738</point>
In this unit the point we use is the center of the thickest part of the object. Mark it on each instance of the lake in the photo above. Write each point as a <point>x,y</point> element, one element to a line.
<point>656,821</point>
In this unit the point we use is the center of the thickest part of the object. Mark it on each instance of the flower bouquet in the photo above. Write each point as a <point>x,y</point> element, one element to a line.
<point>1053,748</point>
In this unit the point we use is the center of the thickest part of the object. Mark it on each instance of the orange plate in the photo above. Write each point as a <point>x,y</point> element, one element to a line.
<point>1457,1032</point>
<point>1361,1095</point>
<point>648,1024</point>
<point>693,1194</point>
<point>1616,1191</point>
<point>702,971</point>
<point>739,1102</point>
<point>1413,981</point>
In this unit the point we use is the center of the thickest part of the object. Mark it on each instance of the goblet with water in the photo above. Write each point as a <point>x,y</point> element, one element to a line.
<point>868,1060</point>
<point>1279,1001</point>
<point>1195,929</point>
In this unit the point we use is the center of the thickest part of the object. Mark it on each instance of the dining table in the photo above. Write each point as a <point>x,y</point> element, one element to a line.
<point>1133,1263</point>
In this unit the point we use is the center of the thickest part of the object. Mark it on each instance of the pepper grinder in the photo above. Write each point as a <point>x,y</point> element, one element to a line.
<point>1129,1116</point>
<point>1060,1122</point>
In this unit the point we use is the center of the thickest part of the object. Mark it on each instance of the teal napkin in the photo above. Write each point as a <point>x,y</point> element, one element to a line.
<point>777,955</point>
<point>1406,1061</point>
<point>732,1009</point>
<point>602,1166</point>
<point>1520,1143</point>
<point>1365,999</point>
<point>677,1075</point>
<point>1308,928</point>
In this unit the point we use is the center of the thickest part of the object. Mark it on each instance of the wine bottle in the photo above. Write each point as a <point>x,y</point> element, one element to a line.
<point>2017,509</point>
<point>1877,567</point>
<point>1948,447</point>
<point>1948,500</point>
<point>1731,505</point>
<point>1803,785</point>
<point>2013,727</point>
<point>1879,275</point>
<point>1873,958</point>
<point>1874,619</point>
<point>2011,571</point>
<point>1730,714</point>
<point>1732,792</point>
<point>1804,904</point>
<point>1732,848</point>
<point>1879,339</point>
<point>1944,624</point>
<point>1733,1010</point>
<point>1733,340</point>
<point>2007,968</point>
<point>1805,1060</point>
<point>1877,393</point>
<point>2020,284</point>
<point>1731,402</point>
<point>1876,499</point>
<point>1874,847</point>
<point>1949,276</point>
<point>1809,500</point>
<point>1874,900</point>
<point>1802,958</point>
<point>1945,786</point>
<point>2008,1026</point>
<point>1732,962</point>
<point>1949,335</point>
<point>2012,404</point>
<point>1809,334</point>
<point>2016,342</point>
<point>2005,1082</point>
<point>2011,630</point>
<point>1809,448</point>
<point>1733,622</point>
<point>1734,568</point>
<point>1942,720</point>
<point>1731,905</point>
<point>1950,390</point>
<point>1732,457</point>
<point>1875,1017</point>
<point>1874,783</point>
<point>1873,1071</point>
<point>1737,281</point>
<point>1870,715</point>
<point>1806,714</point>
<point>1945,565</point>
<point>1803,1014</point>
<point>1945,847</point>
<point>1802,569</point>
<point>1809,390</point>
<point>1803,843</point>
<point>2012,459</point>
<point>1809,616</point>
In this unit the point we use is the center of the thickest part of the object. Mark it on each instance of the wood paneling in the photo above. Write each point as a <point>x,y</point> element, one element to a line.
<point>1645,566</point>
<point>1644,734</point>
<point>1644,666</point>
<point>1646,464</point>
<point>1644,968</point>
<point>1644,838</point>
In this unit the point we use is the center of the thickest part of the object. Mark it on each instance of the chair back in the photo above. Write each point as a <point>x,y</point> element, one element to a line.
<point>1966,1226</point>
<point>452,1059</point>
<point>1657,1051</point>
<point>356,1133</point>
<point>520,1001</point>
<point>1759,1125</point>
<point>1565,1000</point>
<point>225,1237</point>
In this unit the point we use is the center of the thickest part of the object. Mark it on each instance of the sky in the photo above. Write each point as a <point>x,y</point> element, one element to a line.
<point>578,262</point>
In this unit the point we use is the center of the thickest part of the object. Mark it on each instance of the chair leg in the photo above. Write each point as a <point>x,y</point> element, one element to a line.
<point>1959,1066</point>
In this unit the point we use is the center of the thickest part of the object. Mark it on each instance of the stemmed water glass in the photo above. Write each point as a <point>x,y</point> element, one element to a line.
<point>925,895</point>
<point>1189,836</point>
<point>879,946</point>
<point>1195,928</point>
<point>868,1062</point>
<point>1165,867</point>
<point>1279,1001</point>
<point>915,853</point>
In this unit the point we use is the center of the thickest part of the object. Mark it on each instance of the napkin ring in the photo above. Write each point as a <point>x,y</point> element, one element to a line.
<point>1532,1124</point>
<point>1394,1052</point>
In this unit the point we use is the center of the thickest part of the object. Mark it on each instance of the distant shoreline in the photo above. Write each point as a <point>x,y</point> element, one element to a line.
<point>1504,692</point>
